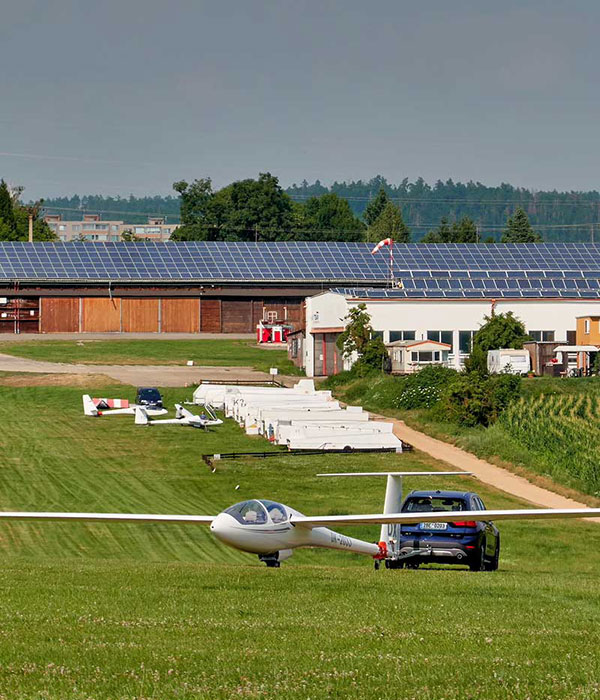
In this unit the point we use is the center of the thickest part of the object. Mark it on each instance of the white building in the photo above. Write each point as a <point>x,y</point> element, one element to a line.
<point>397,315</point>
<point>92,228</point>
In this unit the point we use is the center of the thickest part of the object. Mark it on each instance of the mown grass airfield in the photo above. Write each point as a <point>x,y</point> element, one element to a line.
<point>156,611</point>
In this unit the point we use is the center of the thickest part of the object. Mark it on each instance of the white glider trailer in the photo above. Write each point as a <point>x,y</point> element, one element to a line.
<point>300,417</point>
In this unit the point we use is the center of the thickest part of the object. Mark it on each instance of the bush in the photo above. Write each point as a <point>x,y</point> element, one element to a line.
<point>475,399</point>
<point>424,388</point>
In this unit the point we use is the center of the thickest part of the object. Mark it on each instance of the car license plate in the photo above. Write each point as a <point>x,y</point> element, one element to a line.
<point>434,526</point>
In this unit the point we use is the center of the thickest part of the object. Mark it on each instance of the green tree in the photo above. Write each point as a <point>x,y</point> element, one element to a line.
<point>463,231</point>
<point>14,218</point>
<point>375,207</point>
<point>330,218</point>
<point>358,338</point>
<point>197,222</point>
<point>389,224</point>
<point>250,210</point>
<point>476,399</point>
<point>7,218</point>
<point>498,331</point>
<point>519,230</point>
<point>128,236</point>
<point>357,333</point>
<point>441,234</point>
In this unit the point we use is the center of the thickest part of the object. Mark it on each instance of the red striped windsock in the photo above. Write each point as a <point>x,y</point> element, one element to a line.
<point>385,241</point>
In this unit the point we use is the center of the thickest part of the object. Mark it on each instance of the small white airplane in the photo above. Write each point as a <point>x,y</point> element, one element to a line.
<point>273,530</point>
<point>90,409</point>
<point>182,417</point>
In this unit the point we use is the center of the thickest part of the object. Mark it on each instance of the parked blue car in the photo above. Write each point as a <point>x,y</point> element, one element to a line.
<point>475,543</point>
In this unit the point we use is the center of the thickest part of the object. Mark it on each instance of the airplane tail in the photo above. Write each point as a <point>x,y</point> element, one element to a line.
<point>181,412</point>
<point>89,407</point>
<point>141,416</point>
<point>393,494</point>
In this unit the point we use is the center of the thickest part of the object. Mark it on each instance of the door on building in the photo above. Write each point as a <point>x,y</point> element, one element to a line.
<point>327,355</point>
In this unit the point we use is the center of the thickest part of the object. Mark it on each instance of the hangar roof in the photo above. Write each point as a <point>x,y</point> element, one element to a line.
<point>305,262</point>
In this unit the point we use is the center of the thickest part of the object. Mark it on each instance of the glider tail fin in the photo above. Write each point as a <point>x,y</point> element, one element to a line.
<point>89,407</point>
<point>141,416</point>
<point>393,494</point>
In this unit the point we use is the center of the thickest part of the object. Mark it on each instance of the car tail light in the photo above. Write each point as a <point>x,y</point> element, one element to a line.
<point>465,523</point>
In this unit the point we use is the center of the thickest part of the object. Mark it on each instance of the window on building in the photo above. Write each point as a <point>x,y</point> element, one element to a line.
<point>586,326</point>
<point>440,336</point>
<point>76,227</point>
<point>377,334</point>
<point>465,338</point>
<point>538,336</point>
<point>115,227</point>
<point>402,335</point>
<point>62,227</point>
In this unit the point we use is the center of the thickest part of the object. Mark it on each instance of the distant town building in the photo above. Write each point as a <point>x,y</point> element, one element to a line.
<point>93,228</point>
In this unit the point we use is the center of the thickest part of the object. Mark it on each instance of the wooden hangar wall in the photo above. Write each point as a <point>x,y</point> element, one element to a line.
<point>129,314</point>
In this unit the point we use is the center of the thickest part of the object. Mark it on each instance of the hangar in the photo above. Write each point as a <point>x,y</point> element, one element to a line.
<point>442,292</point>
<point>187,287</point>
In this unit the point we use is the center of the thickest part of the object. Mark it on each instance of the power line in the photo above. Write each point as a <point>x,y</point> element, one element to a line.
<point>431,200</point>
<point>267,229</point>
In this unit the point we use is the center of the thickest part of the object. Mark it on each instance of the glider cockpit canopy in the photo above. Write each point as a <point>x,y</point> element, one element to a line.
<point>257,512</point>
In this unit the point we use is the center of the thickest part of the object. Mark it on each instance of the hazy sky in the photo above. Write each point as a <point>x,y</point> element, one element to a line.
<point>126,96</point>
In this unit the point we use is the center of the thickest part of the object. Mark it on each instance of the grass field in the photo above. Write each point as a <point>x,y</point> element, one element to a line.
<point>151,611</point>
<point>214,353</point>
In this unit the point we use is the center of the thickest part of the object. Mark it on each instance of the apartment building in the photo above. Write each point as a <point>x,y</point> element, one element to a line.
<point>93,228</point>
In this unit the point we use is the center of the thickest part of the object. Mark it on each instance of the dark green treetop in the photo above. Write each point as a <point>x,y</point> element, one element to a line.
<point>519,230</point>
<point>330,218</point>
<point>389,224</point>
<point>375,207</point>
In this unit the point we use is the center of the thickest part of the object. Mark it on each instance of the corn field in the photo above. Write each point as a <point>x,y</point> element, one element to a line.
<point>565,431</point>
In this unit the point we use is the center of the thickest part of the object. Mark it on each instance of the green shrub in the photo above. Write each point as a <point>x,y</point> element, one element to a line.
<point>423,389</point>
<point>475,399</point>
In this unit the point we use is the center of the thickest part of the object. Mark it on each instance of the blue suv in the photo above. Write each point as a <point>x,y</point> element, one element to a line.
<point>475,543</point>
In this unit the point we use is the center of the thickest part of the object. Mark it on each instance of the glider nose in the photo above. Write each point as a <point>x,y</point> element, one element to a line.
<point>219,528</point>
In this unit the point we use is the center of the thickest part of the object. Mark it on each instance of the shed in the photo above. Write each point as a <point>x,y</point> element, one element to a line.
<point>408,356</point>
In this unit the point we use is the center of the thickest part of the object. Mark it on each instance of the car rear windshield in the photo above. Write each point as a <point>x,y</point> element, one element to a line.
<point>424,504</point>
<point>149,394</point>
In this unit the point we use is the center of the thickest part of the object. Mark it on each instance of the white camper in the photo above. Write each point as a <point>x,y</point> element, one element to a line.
<point>508,361</point>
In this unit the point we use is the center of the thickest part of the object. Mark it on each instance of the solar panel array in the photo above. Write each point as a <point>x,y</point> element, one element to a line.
<point>463,287</point>
<point>425,270</point>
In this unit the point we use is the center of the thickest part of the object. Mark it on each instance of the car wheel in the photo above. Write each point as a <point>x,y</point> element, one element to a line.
<point>493,564</point>
<point>477,562</point>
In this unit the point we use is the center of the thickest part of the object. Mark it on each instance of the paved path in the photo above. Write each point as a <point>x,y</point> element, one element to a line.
<point>138,375</point>
<point>488,473</point>
<point>24,337</point>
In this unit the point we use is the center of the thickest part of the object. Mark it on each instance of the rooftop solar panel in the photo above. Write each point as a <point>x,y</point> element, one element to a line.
<point>351,264</point>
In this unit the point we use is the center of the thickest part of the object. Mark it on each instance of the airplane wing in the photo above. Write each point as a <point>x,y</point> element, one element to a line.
<point>108,517</point>
<point>443,517</point>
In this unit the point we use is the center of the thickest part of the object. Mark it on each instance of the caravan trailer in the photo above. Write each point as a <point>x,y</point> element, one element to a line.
<point>508,361</point>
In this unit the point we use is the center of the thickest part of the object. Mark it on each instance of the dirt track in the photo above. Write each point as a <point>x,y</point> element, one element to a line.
<point>137,375</point>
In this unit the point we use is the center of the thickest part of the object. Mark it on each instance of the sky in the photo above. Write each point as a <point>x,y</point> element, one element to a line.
<point>125,97</point>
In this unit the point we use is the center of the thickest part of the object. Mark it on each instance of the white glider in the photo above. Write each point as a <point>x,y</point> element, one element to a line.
<point>182,417</point>
<point>273,530</point>
<point>90,409</point>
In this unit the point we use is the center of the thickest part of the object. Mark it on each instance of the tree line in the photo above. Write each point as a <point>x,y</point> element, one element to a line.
<point>253,210</point>
<point>560,215</point>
